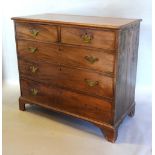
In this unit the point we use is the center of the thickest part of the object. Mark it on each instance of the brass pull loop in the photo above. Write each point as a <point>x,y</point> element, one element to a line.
<point>33,69</point>
<point>91,83</point>
<point>91,59</point>
<point>86,38</point>
<point>34,32</point>
<point>32,49</point>
<point>34,91</point>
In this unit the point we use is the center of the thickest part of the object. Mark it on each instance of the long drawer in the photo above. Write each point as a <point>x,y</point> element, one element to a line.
<point>97,60</point>
<point>75,79</point>
<point>67,101</point>
<point>36,32</point>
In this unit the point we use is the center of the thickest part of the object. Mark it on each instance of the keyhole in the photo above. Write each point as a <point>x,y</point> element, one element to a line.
<point>60,68</point>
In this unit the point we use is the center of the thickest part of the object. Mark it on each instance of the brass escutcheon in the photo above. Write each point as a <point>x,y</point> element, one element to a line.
<point>33,69</point>
<point>91,59</point>
<point>34,32</point>
<point>91,83</point>
<point>34,91</point>
<point>86,38</point>
<point>32,49</point>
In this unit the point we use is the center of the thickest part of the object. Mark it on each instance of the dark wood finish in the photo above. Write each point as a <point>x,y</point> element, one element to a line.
<point>86,106</point>
<point>67,55</point>
<point>45,52</point>
<point>80,66</point>
<point>98,38</point>
<point>126,74</point>
<point>110,133</point>
<point>75,56</point>
<point>68,78</point>
<point>46,33</point>
<point>21,105</point>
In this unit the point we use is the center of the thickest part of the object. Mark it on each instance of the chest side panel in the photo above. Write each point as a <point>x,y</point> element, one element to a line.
<point>126,70</point>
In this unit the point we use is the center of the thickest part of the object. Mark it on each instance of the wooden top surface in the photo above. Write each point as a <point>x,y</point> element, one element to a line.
<point>94,21</point>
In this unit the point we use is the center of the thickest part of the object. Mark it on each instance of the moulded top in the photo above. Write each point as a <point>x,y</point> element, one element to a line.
<point>94,21</point>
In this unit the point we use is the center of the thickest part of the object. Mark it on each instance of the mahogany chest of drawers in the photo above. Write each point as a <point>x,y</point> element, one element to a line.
<point>81,66</point>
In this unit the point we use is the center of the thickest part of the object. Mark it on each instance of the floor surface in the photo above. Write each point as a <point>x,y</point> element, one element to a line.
<point>38,131</point>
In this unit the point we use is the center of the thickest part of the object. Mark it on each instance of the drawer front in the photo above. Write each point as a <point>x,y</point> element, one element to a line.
<point>88,37</point>
<point>69,56</point>
<point>68,101</point>
<point>96,60</point>
<point>34,51</point>
<point>37,32</point>
<point>74,79</point>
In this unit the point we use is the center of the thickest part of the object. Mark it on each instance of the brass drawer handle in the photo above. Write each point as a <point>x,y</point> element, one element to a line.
<point>91,59</point>
<point>34,91</point>
<point>34,32</point>
<point>86,38</point>
<point>91,83</point>
<point>32,49</point>
<point>33,69</point>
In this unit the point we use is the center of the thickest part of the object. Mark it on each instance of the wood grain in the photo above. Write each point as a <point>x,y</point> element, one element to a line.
<point>75,103</point>
<point>100,39</point>
<point>44,51</point>
<point>126,73</point>
<point>73,79</point>
<point>46,33</point>
<point>76,56</point>
<point>88,21</point>
<point>67,55</point>
<point>81,66</point>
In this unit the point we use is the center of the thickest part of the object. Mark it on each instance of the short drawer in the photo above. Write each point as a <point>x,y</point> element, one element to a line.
<point>88,37</point>
<point>37,32</point>
<point>74,79</point>
<point>67,101</point>
<point>97,60</point>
